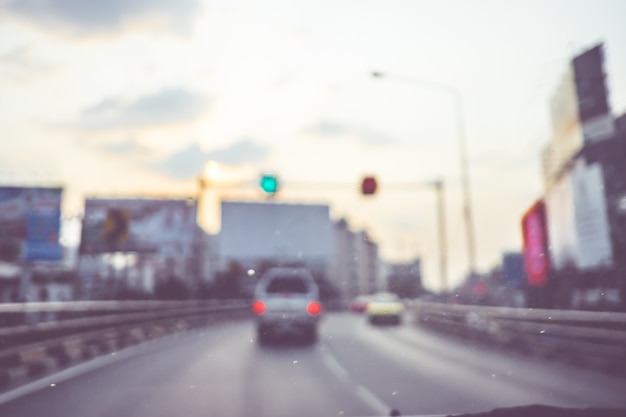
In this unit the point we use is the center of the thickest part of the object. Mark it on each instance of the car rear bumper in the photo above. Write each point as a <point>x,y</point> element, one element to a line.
<point>286,321</point>
<point>385,318</point>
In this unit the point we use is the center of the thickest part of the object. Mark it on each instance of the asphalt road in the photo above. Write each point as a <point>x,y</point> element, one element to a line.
<point>354,370</point>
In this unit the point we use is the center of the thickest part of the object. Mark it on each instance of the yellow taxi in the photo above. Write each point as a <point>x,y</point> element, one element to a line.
<point>384,308</point>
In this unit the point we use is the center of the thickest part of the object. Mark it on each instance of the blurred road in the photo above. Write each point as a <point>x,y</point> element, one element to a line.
<point>355,369</point>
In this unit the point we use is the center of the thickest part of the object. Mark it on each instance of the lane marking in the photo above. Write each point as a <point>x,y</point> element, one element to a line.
<point>375,403</point>
<point>334,366</point>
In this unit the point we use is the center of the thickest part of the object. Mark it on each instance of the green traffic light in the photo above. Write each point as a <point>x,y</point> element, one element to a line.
<point>269,184</point>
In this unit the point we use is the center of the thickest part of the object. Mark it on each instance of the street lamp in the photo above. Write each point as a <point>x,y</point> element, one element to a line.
<point>467,204</point>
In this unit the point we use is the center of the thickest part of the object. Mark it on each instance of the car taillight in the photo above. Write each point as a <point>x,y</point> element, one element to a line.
<point>258,307</point>
<point>313,308</point>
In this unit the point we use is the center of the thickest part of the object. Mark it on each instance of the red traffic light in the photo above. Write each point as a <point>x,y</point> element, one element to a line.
<point>369,186</point>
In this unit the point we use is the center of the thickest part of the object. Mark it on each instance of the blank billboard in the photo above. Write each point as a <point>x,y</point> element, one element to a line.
<point>252,230</point>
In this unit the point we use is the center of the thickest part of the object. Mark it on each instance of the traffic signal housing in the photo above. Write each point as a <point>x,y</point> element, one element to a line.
<point>369,185</point>
<point>269,184</point>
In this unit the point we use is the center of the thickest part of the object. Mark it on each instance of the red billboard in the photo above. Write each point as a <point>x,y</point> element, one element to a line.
<point>536,254</point>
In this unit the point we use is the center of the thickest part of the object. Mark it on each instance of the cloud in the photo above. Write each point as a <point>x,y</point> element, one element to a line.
<point>189,162</point>
<point>101,15</point>
<point>21,64</point>
<point>165,107</point>
<point>327,129</point>
<point>239,153</point>
<point>129,146</point>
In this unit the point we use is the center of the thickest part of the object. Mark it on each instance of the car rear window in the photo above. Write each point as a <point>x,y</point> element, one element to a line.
<point>287,285</point>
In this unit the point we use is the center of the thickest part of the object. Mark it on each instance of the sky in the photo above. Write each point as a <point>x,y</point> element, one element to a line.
<point>134,97</point>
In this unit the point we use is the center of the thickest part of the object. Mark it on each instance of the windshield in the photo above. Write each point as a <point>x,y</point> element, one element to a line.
<point>280,285</point>
<point>311,207</point>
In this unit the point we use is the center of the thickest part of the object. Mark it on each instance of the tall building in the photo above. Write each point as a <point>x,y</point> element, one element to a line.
<point>585,182</point>
<point>356,268</point>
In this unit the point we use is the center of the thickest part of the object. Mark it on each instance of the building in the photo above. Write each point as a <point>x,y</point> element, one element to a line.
<point>357,267</point>
<point>345,261</point>
<point>585,188</point>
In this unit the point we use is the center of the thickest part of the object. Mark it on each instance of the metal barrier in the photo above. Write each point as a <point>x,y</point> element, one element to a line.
<point>37,338</point>
<point>582,337</point>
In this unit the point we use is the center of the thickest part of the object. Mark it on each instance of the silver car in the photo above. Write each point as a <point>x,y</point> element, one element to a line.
<point>286,303</point>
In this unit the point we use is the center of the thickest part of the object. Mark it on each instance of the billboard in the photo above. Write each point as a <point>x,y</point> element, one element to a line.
<point>535,237</point>
<point>578,220</point>
<point>30,220</point>
<point>595,249</point>
<point>593,104</point>
<point>163,226</point>
<point>567,133</point>
<point>251,230</point>
<point>580,112</point>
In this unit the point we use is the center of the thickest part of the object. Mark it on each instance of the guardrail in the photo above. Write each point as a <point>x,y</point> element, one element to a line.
<point>595,339</point>
<point>37,338</point>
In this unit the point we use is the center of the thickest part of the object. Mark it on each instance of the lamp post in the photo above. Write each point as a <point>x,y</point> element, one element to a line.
<point>465,180</point>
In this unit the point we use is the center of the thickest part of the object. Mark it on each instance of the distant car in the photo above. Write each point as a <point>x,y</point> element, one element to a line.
<point>385,308</point>
<point>359,303</point>
<point>287,303</point>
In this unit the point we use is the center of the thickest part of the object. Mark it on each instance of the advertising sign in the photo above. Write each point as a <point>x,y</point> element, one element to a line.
<point>567,132</point>
<point>535,237</point>
<point>578,220</point>
<point>580,112</point>
<point>593,104</point>
<point>163,226</point>
<point>562,224</point>
<point>592,225</point>
<point>253,230</point>
<point>30,220</point>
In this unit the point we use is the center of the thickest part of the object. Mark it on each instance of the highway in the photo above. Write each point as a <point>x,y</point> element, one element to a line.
<point>354,370</point>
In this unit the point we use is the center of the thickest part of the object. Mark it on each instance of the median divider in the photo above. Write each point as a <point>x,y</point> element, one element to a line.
<point>596,339</point>
<point>39,338</point>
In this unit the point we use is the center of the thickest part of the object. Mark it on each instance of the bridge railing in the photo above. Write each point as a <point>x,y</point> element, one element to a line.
<point>582,337</point>
<point>37,338</point>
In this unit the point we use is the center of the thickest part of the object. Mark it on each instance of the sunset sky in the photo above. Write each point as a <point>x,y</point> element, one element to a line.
<point>135,96</point>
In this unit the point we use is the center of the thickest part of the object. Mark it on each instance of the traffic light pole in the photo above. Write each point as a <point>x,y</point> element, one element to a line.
<point>437,185</point>
<point>443,244</point>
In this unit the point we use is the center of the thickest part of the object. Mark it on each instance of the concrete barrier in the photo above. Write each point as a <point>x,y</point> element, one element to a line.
<point>36,346</point>
<point>587,338</point>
